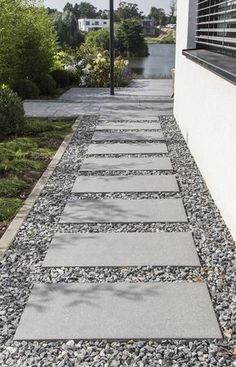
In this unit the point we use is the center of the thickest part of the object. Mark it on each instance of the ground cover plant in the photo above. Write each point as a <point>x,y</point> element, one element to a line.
<point>23,158</point>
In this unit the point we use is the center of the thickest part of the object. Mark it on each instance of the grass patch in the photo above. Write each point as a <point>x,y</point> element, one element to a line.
<point>167,36</point>
<point>24,158</point>
<point>9,208</point>
<point>11,186</point>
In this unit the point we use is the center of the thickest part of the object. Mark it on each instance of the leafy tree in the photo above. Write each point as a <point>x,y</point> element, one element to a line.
<point>159,15</point>
<point>128,11</point>
<point>98,39</point>
<point>172,12</point>
<point>66,25</point>
<point>103,14</point>
<point>27,42</point>
<point>68,7</point>
<point>87,10</point>
<point>51,11</point>
<point>129,38</point>
<point>75,9</point>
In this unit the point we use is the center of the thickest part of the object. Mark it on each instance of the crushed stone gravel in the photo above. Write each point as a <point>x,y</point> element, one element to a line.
<point>21,267</point>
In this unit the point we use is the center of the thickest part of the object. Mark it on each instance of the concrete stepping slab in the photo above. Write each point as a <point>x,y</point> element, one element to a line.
<point>120,311</point>
<point>122,249</point>
<point>124,211</point>
<point>127,136</point>
<point>125,148</point>
<point>127,164</point>
<point>145,183</point>
<point>129,126</point>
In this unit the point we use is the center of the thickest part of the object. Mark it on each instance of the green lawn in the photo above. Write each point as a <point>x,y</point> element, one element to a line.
<point>168,36</point>
<point>23,159</point>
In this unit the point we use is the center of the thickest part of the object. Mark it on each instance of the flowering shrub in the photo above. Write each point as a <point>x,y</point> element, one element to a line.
<point>93,68</point>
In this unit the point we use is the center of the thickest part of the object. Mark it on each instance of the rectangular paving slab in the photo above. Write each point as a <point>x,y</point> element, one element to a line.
<point>122,311</point>
<point>124,211</point>
<point>122,249</point>
<point>126,148</point>
<point>127,164</point>
<point>145,183</point>
<point>127,136</point>
<point>129,126</point>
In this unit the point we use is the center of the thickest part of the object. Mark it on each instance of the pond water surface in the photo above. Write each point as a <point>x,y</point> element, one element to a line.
<point>158,64</point>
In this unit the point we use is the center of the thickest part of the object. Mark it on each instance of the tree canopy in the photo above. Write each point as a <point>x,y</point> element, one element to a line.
<point>158,14</point>
<point>28,40</point>
<point>128,11</point>
<point>82,10</point>
<point>66,25</point>
<point>129,38</point>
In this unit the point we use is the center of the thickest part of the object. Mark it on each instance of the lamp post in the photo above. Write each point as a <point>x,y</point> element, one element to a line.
<point>112,87</point>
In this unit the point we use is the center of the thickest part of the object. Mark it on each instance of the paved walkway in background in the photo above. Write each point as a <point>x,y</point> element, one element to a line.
<point>144,310</point>
<point>140,100</point>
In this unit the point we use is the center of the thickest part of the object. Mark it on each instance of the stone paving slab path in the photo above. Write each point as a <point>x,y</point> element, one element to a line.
<point>124,211</point>
<point>118,311</point>
<point>122,249</point>
<point>120,136</point>
<point>129,126</point>
<point>144,183</point>
<point>154,232</point>
<point>127,164</point>
<point>126,148</point>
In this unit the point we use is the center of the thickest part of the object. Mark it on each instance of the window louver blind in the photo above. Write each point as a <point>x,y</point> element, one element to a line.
<point>216,26</point>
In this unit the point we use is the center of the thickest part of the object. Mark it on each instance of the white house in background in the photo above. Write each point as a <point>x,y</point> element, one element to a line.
<point>205,94</point>
<point>87,25</point>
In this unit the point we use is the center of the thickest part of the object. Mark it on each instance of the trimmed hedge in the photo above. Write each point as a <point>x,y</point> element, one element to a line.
<point>26,89</point>
<point>61,78</point>
<point>46,84</point>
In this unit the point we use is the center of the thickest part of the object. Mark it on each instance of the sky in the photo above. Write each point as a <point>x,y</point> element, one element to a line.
<point>144,5</point>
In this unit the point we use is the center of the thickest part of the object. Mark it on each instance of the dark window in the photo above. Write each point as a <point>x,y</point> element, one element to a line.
<point>87,22</point>
<point>216,26</point>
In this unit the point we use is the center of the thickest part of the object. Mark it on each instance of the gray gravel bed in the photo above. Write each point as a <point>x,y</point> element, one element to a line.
<point>21,268</point>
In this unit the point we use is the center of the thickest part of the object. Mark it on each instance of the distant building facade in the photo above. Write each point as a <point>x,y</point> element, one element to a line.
<point>149,27</point>
<point>88,25</point>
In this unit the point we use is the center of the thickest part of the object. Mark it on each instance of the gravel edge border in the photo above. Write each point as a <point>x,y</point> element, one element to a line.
<point>8,237</point>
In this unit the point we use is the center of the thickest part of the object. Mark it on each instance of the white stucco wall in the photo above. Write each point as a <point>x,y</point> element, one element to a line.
<point>205,109</point>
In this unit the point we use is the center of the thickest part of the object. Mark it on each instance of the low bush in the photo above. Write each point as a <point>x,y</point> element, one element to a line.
<point>61,78</point>
<point>26,89</point>
<point>73,76</point>
<point>11,112</point>
<point>46,84</point>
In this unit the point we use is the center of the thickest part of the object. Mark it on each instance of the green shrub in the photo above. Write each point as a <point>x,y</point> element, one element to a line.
<point>9,208</point>
<point>72,76</point>
<point>61,78</point>
<point>11,112</point>
<point>26,89</point>
<point>46,84</point>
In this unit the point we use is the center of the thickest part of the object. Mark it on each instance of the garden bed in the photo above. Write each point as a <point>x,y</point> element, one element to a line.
<point>23,159</point>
